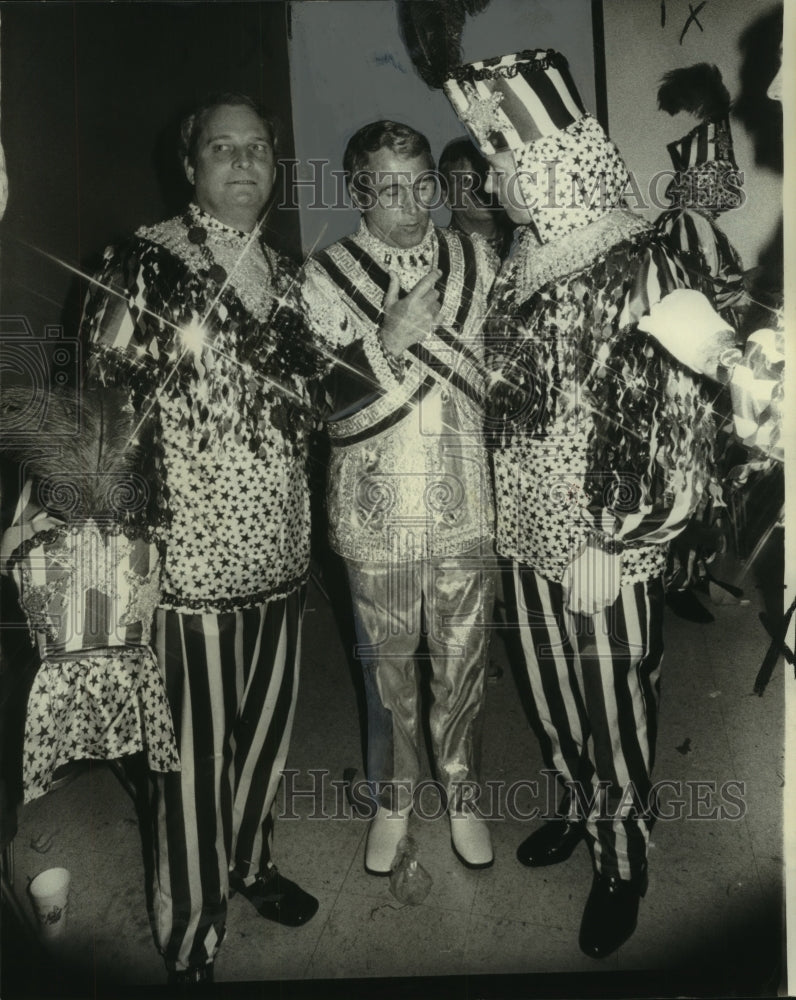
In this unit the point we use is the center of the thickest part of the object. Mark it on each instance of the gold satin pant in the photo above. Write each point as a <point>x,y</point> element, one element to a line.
<point>449,601</point>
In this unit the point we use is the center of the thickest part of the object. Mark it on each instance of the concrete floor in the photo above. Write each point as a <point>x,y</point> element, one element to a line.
<point>709,925</point>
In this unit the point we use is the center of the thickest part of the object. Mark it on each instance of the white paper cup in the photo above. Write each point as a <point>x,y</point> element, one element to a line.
<point>50,894</point>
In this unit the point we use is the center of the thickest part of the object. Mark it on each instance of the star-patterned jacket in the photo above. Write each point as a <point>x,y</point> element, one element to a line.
<point>599,435</point>
<point>196,322</point>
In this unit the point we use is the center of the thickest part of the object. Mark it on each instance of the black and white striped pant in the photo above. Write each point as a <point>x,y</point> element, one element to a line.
<point>594,685</point>
<point>231,681</point>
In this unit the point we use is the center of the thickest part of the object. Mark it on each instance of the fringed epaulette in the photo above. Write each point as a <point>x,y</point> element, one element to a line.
<point>160,232</point>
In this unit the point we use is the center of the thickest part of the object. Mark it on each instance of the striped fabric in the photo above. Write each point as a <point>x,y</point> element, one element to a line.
<point>511,100</point>
<point>712,261</point>
<point>594,692</point>
<point>363,281</point>
<point>709,141</point>
<point>79,587</point>
<point>231,681</point>
<point>657,274</point>
<point>443,358</point>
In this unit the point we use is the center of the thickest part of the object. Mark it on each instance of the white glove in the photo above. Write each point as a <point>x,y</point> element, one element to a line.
<point>686,325</point>
<point>591,582</point>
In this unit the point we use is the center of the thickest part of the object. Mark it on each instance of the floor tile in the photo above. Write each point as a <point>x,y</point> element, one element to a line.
<point>367,937</point>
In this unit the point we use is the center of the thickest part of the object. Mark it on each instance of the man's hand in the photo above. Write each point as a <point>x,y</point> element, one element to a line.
<point>411,319</point>
<point>591,581</point>
<point>688,327</point>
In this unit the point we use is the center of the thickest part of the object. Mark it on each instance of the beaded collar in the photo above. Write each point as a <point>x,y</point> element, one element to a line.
<point>215,239</point>
<point>196,217</point>
<point>411,263</point>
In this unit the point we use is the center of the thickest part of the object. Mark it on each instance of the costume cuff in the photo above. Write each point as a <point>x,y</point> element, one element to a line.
<point>609,544</point>
<point>389,371</point>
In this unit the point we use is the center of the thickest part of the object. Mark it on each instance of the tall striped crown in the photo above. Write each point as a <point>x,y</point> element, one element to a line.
<point>509,101</point>
<point>710,141</point>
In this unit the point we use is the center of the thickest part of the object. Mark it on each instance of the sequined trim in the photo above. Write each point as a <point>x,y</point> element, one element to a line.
<point>398,392</point>
<point>223,605</point>
<point>532,264</point>
<point>377,411</point>
<point>379,365</point>
<point>421,487</point>
<point>409,265</point>
<point>249,263</point>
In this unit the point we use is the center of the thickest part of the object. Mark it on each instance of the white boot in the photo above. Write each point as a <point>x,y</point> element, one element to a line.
<point>471,839</point>
<point>386,829</point>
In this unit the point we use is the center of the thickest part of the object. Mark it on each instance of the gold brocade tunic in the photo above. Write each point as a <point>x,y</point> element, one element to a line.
<point>417,486</point>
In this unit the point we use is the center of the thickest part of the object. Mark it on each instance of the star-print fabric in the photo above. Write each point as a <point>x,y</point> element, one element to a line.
<point>82,588</point>
<point>201,326</point>
<point>594,428</point>
<point>101,706</point>
<point>571,178</point>
<point>239,528</point>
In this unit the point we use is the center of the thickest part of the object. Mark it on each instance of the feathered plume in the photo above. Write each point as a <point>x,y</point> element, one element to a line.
<point>432,33</point>
<point>475,6</point>
<point>698,89</point>
<point>82,449</point>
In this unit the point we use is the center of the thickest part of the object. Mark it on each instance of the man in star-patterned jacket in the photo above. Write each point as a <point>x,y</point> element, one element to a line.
<point>192,320</point>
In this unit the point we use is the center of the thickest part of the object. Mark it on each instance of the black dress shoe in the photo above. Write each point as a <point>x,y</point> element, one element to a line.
<point>197,977</point>
<point>276,897</point>
<point>551,843</point>
<point>610,915</point>
<point>687,605</point>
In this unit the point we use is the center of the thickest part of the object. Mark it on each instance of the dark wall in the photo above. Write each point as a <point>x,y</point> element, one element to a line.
<point>92,94</point>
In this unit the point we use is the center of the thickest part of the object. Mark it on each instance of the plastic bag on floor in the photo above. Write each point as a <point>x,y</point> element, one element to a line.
<point>409,880</point>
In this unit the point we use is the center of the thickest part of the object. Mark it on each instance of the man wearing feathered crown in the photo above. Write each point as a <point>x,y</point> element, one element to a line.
<point>408,495</point>
<point>755,376</point>
<point>603,447</point>
<point>706,183</point>
<point>193,321</point>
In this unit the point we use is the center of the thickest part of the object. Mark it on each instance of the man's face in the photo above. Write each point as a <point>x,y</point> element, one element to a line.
<point>467,192</point>
<point>398,192</point>
<point>502,180</point>
<point>774,91</point>
<point>235,166</point>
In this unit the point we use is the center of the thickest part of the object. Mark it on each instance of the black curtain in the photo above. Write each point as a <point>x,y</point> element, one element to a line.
<point>92,96</point>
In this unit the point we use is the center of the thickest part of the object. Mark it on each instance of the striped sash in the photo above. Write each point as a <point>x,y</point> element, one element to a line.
<point>440,359</point>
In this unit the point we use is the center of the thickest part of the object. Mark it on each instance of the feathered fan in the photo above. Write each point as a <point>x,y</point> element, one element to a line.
<point>698,89</point>
<point>432,33</point>
<point>85,469</point>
